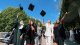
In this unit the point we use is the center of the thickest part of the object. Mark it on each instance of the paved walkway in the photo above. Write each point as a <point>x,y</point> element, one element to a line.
<point>67,42</point>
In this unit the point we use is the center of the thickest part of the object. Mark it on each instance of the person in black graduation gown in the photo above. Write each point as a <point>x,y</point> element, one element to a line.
<point>30,32</point>
<point>27,35</point>
<point>76,31</point>
<point>59,32</point>
<point>79,36</point>
<point>18,38</point>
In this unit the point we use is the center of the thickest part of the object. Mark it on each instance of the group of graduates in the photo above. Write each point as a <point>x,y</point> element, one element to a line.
<point>32,32</point>
<point>77,34</point>
<point>20,33</point>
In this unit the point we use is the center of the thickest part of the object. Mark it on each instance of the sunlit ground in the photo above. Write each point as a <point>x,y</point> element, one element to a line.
<point>67,42</point>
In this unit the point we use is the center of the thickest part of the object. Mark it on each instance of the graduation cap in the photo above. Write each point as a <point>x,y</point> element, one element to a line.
<point>31,7</point>
<point>21,8</point>
<point>42,13</point>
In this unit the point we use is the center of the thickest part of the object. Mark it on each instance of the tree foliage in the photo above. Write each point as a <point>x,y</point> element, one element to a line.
<point>8,16</point>
<point>64,8</point>
<point>54,23</point>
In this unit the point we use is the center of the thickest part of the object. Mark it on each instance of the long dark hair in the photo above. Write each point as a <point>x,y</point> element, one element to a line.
<point>33,24</point>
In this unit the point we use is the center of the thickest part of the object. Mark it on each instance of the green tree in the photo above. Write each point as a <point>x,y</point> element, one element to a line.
<point>8,16</point>
<point>54,23</point>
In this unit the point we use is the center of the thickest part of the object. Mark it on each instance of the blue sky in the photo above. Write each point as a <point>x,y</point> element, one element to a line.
<point>47,5</point>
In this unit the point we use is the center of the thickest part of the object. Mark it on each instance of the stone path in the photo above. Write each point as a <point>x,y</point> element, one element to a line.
<point>67,42</point>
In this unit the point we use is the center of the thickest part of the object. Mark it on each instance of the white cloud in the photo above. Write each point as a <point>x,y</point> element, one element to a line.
<point>58,13</point>
<point>55,0</point>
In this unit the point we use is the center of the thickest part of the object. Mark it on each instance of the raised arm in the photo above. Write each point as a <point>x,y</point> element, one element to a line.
<point>17,18</point>
<point>35,25</point>
<point>43,24</point>
<point>35,21</point>
<point>30,21</point>
<point>14,26</point>
<point>61,22</point>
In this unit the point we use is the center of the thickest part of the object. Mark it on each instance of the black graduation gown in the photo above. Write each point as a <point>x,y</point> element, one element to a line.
<point>59,35</point>
<point>16,39</point>
<point>21,41</point>
<point>28,33</point>
<point>12,36</point>
<point>23,31</point>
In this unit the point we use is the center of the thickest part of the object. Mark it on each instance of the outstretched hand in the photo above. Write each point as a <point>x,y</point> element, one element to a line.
<point>17,15</point>
<point>61,22</point>
<point>67,13</point>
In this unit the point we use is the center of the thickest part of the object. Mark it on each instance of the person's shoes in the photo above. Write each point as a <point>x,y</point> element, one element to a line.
<point>39,44</point>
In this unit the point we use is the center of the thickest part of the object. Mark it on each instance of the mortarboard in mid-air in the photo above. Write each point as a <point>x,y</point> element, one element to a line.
<point>31,7</point>
<point>42,13</point>
<point>21,8</point>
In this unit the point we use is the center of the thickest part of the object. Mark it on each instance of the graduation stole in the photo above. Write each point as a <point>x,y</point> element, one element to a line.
<point>31,31</point>
<point>21,26</point>
<point>56,25</point>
